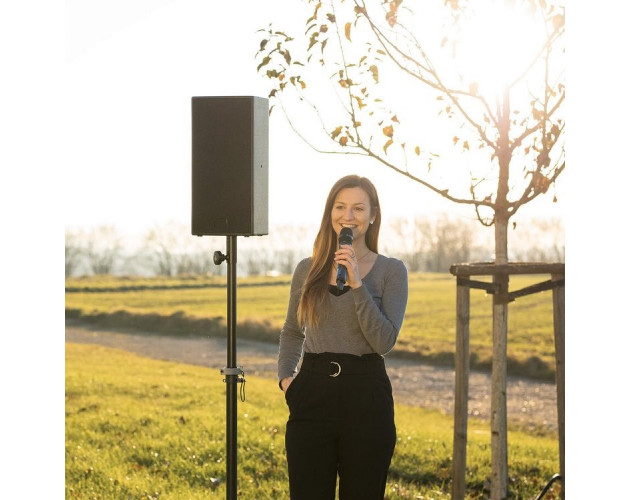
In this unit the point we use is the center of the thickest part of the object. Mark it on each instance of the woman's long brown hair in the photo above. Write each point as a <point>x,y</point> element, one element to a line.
<point>315,288</point>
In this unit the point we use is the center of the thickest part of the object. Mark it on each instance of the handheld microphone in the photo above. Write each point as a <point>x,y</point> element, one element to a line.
<point>345,238</point>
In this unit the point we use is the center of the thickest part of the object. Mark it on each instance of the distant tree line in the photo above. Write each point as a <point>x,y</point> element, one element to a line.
<point>424,244</point>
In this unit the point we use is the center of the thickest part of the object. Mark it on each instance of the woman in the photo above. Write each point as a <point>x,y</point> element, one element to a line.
<point>341,412</point>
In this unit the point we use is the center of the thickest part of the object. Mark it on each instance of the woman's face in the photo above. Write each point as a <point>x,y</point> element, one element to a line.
<point>352,209</point>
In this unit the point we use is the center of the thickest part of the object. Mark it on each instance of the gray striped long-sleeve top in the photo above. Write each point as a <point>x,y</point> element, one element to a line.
<point>361,321</point>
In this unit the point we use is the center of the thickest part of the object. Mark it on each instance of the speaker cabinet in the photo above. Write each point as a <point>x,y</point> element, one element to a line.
<point>230,166</point>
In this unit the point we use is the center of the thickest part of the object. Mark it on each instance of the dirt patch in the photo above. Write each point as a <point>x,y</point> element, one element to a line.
<point>531,404</point>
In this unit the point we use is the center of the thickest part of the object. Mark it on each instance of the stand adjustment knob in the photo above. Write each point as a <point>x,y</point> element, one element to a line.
<point>218,258</point>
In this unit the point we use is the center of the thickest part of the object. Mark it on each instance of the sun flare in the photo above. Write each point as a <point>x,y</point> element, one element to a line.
<point>496,43</point>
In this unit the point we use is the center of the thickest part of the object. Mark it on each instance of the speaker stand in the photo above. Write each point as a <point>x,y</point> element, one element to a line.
<point>233,374</point>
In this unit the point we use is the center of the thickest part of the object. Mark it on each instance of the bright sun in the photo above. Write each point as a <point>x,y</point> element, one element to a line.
<point>496,42</point>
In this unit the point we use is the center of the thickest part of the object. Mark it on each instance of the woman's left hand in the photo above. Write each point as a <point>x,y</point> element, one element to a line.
<point>345,256</point>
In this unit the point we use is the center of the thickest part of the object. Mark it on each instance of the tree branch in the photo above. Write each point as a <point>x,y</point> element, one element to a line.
<point>437,85</point>
<point>442,192</point>
<point>518,141</point>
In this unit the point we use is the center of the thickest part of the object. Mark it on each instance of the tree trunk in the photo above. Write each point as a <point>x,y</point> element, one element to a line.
<point>498,419</point>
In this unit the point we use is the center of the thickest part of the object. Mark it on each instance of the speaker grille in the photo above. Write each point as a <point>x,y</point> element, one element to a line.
<point>230,155</point>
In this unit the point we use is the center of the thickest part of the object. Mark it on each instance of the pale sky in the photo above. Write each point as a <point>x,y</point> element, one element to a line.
<point>131,69</point>
<point>94,128</point>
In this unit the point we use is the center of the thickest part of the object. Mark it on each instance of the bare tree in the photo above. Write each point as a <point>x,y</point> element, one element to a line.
<point>408,243</point>
<point>538,240</point>
<point>278,252</point>
<point>519,131</point>
<point>382,63</point>
<point>161,245</point>
<point>257,262</point>
<point>172,250</point>
<point>291,244</point>
<point>445,241</point>
<point>433,243</point>
<point>198,263</point>
<point>103,249</point>
<point>74,252</point>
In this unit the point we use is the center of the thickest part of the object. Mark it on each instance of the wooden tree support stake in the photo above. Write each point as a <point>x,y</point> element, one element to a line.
<point>501,296</point>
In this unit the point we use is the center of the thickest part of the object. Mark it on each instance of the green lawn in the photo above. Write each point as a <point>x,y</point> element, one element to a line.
<point>144,429</point>
<point>198,305</point>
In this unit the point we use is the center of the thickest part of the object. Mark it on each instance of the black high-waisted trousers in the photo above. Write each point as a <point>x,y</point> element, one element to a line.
<point>341,422</point>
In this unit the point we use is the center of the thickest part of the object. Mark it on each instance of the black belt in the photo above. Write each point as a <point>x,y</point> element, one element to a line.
<point>335,364</point>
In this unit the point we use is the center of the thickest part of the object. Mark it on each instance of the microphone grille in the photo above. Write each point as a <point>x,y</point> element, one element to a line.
<point>345,236</point>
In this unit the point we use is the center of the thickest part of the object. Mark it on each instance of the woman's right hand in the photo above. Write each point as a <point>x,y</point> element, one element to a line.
<point>285,383</point>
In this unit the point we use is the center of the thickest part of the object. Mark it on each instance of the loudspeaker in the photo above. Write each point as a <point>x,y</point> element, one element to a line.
<point>230,171</point>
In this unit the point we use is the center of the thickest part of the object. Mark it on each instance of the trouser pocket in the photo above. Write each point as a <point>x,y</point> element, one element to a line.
<point>295,392</point>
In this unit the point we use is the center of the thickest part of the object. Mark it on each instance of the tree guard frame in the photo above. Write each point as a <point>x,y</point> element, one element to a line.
<point>499,288</point>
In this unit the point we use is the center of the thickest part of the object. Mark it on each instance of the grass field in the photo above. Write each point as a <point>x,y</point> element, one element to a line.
<point>198,306</point>
<point>144,429</point>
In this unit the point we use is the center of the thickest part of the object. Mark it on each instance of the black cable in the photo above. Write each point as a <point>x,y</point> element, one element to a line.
<point>554,478</point>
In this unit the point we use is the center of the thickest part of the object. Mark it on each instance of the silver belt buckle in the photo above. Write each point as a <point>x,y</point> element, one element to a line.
<point>338,369</point>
